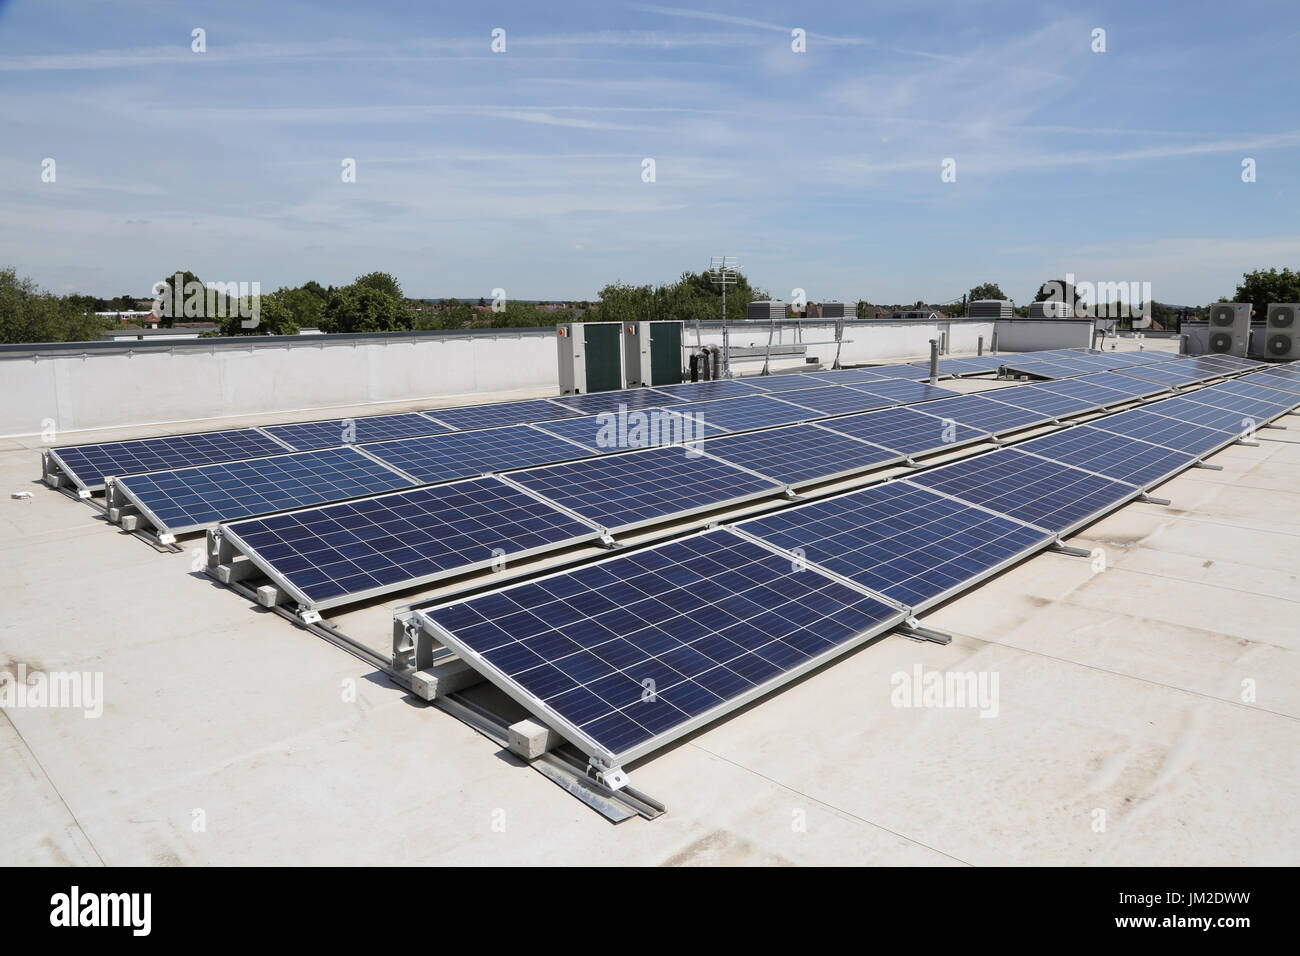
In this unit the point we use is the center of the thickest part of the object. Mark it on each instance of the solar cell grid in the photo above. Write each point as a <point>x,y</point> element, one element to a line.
<point>352,431</point>
<point>985,414</point>
<point>798,454</point>
<point>1272,379</point>
<point>902,541</point>
<point>593,403</point>
<point>501,413</point>
<point>638,428</point>
<point>905,430</point>
<point>1052,496</point>
<point>1261,409</point>
<point>1166,373</point>
<point>706,391</point>
<point>709,622</point>
<point>621,491</point>
<point>784,382</point>
<point>89,465</point>
<point>836,400</point>
<point>335,553</point>
<point>185,499</point>
<point>901,391</point>
<point>740,414</point>
<point>1038,399</point>
<point>1115,456</point>
<point>434,458</point>
<point>845,376</point>
<point>1167,432</point>
<point>1088,390</point>
<point>898,371</point>
<point>1199,413</point>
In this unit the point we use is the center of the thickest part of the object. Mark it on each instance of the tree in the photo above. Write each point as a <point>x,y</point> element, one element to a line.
<point>1058,290</point>
<point>363,308</point>
<point>381,282</point>
<point>987,290</point>
<point>315,288</point>
<point>172,302</point>
<point>29,314</point>
<point>274,316</point>
<point>305,307</point>
<point>1259,288</point>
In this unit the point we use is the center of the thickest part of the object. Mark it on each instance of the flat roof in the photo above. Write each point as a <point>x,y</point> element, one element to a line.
<point>1162,691</point>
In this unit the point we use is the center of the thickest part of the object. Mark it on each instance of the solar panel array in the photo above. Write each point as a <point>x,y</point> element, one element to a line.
<point>189,498</point>
<point>89,465</point>
<point>350,431</point>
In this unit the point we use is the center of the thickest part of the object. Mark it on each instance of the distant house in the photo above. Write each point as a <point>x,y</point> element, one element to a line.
<point>135,333</point>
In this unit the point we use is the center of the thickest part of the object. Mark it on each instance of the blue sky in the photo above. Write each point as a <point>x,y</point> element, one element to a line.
<point>523,169</point>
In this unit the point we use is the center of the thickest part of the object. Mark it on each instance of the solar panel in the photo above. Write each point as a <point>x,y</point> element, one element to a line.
<point>743,414</point>
<point>898,371</point>
<point>845,376</point>
<point>353,431</point>
<point>1229,362</point>
<point>1256,391</point>
<point>901,391</point>
<point>625,655</point>
<point>186,499</point>
<point>1043,369</point>
<point>1035,398</point>
<point>1086,389</point>
<point>1169,432</point>
<point>1132,359</point>
<point>638,428</point>
<point>800,454</point>
<point>1115,456</point>
<point>1052,496</point>
<point>434,458</point>
<point>905,542</point>
<point>593,403</point>
<point>1133,387</point>
<point>1259,409</point>
<point>1199,413</point>
<point>984,414</point>
<point>905,430</point>
<point>706,391</point>
<point>625,491</point>
<point>836,400</point>
<point>783,382</point>
<point>89,465</point>
<point>1166,373</point>
<point>961,366</point>
<point>1273,379</point>
<point>501,413</point>
<point>333,554</point>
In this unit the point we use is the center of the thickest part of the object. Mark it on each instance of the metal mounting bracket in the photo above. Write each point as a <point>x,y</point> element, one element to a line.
<point>914,630</point>
<point>1208,467</point>
<point>1061,548</point>
<point>1153,500</point>
<point>1272,425</point>
<point>607,540</point>
<point>308,616</point>
<point>612,777</point>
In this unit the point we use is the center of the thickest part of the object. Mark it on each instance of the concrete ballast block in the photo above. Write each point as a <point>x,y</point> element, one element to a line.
<point>530,739</point>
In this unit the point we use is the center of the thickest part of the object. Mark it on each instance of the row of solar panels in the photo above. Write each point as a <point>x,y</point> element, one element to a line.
<point>1149,366</point>
<point>180,500</point>
<point>624,655</point>
<point>341,553</point>
<point>87,466</point>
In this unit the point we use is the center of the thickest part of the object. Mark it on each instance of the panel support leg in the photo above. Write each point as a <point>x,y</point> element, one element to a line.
<point>1062,548</point>
<point>1153,500</point>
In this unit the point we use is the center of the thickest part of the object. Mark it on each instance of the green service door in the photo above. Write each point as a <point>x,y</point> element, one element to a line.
<point>665,353</point>
<point>604,358</point>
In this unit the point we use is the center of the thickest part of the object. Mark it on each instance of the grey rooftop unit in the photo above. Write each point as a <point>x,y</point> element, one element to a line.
<point>769,309</point>
<point>839,310</point>
<point>1049,309</point>
<point>991,309</point>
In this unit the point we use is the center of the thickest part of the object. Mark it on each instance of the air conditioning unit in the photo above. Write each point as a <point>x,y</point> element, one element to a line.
<point>1282,331</point>
<point>1229,329</point>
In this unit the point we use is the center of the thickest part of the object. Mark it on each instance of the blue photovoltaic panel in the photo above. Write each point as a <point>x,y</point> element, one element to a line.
<point>962,366</point>
<point>902,541</point>
<point>798,454</point>
<point>898,371</point>
<point>1115,456</point>
<point>1086,389</point>
<point>89,465</point>
<point>1255,390</point>
<point>1274,378</point>
<point>1042,368</point>
<point>501,413</point>
<point>750,412</point>
<point>712,620</point>
<point>901,391</point>
<point>354,431</point>
<point>1166,373</point>
<point>1198,413</point>
<point>1252,408</point>
<point>845,376</point>
<point>905,430</point>
<point>593,403</point>
<point>639,428</point>
<point>1132,359</point>
<point>618,491</point>
<point>1169,432</point>
<point>1133,387</point>
<point>836,400</point>
<point>434,458</point>
<point>1039,399</point>
<point>1216,364</point>
<point>1232,361</point>
<point>783,382</point>
<point>984,413</point>
<point>334,553</point>
<point>1052,496</point>
<point>707,391</point>
<point>189,498</point>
